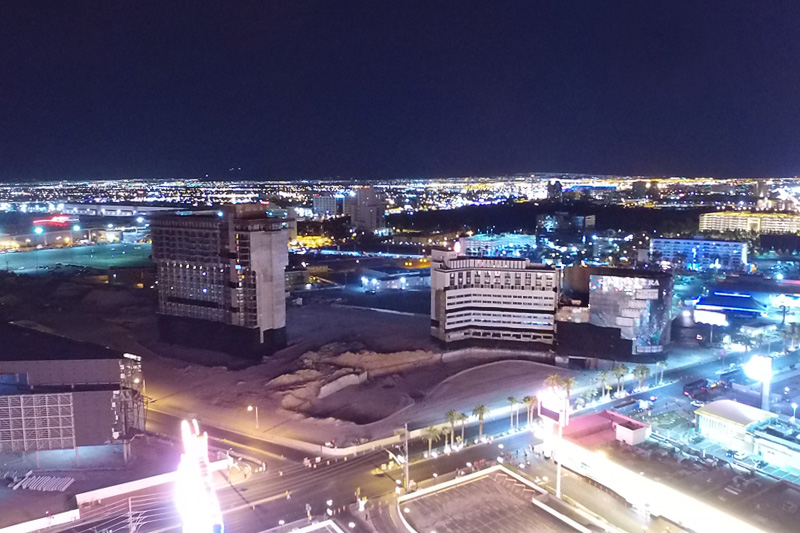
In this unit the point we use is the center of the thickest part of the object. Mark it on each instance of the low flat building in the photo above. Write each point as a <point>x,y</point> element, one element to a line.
<point>390,278</point>
<point>494,299</point>
<point>645,475</point>
<point>730,423</point>
<point>496,500</point>
<point>59,393</point>
<point>750,430</point>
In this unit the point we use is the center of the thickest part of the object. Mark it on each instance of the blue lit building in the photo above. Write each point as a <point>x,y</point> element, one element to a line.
<point>701,254</point>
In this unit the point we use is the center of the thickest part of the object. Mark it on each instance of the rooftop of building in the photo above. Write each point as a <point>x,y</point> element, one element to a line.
<point>397,271</point>
<point>693,239</point>
<point>627,272</point>
<point>729,301</point>
<point>735,413</point>
<point>775,507</point>
<point>22,342</point>
<point>16,389</point>
<point>759,214</point>
<point>758,283</point>
<point>493,502</point>
<point>598,429</point>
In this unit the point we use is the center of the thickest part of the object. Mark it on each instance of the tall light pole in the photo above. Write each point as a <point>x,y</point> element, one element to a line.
<point>759,368</point>
<point>251,408</point>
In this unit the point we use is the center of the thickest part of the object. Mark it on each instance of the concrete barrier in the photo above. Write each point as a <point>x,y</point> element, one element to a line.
<point>341,383</point>
<point>43,523</point>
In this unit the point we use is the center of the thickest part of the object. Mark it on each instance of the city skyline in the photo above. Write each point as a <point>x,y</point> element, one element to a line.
<point>308,90</point>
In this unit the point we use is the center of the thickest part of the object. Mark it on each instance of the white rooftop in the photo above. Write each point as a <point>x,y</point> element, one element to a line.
<point>735,412</point>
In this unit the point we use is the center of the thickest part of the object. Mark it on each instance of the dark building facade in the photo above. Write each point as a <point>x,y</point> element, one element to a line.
<point>221,280</point>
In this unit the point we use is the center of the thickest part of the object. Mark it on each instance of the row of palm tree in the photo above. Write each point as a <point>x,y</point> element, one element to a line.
<point>640,372</point>
<point>530,403</point>
<point>556,382</point>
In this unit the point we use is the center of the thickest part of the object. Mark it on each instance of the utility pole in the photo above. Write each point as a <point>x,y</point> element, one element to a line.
<point>405,452</point>
<point>558,456</point>
<point>130,515</point>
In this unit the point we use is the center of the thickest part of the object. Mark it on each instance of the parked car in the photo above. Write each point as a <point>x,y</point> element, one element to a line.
<point>730,453</point>
<point>740,456</point>
<point>694,439</point>
<point>761,464</point>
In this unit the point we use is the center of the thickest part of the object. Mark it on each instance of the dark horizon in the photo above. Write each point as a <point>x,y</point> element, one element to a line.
<point>307,90</point>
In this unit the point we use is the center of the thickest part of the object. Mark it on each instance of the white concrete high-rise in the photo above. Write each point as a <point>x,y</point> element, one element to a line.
<point>492,298</point>
<point>221,281</point>
<point>366,209</point>
<point>325,206</point>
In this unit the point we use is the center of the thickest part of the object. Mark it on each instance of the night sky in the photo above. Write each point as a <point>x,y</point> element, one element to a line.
<point>378,89</point>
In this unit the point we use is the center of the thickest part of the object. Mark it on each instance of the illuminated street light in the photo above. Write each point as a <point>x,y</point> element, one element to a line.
<point>759,368</point>
<point>250,408</point>
<point>38,230</point>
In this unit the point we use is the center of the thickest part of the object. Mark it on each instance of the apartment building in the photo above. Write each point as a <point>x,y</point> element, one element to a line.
<point>325,206</point>
<point>366,209</point>
<point>221,281</point>
<point>492,298</point>
<point>701,254</point>
<point>750,222</point>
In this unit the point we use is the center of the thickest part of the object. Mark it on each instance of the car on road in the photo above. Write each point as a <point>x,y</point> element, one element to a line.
<point>761,464</point>
<point>698,403</point>
<point>730,453</point>
<point>739,456</point>
<point>694,439</point>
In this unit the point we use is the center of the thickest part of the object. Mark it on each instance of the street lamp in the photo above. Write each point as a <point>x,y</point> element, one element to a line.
<point>251,408</point>
<point>759,368</point>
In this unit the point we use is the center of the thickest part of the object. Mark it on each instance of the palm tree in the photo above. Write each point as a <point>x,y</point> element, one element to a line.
<point>480,411</point>
<point>463,419</point>
<point>662,365</point>
<point>602,378</point>
<point>452,418</point>
<point>568,383</point>
<point>620,371</point>
<point>513,401</point>
<point>431,434</point>
<point>531,402</point>
<point>641,372</point>
<point>553,381</point>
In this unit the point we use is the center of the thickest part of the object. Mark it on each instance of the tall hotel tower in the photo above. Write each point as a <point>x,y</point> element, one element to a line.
<point>221,281</point>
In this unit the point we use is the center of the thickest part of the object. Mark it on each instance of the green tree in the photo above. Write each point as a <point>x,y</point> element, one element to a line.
<point>480,411</point>
<point>553,381</point>
<point>620,371</point>
<point>452,418</point>
<point>641,372</point>
<point>431,434</point>
<point>662,365</point>
<point>463,419</point>
<point>568,383</point>
<point>603,378</point>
